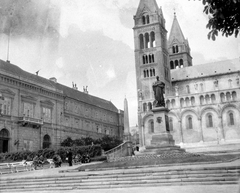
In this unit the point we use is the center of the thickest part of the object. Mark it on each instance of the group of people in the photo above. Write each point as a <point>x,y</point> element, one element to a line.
<point>39,160</point>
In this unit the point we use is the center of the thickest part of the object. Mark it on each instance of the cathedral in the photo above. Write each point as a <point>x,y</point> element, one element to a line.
<point>203,99</point>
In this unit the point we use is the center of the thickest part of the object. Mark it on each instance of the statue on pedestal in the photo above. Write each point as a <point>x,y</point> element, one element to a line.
<point>159,90</point>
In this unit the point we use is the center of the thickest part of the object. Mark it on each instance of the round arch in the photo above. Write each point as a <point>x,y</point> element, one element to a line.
<point>188,110</point>
<point>209,109</point>
<point>46,141</point>
<point>4,140</point>
<point>228,106</point>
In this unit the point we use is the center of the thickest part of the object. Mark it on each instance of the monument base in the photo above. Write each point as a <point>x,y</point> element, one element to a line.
<point>162,140</point>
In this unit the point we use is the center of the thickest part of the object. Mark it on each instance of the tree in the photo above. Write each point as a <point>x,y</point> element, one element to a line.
<point>224,16</point>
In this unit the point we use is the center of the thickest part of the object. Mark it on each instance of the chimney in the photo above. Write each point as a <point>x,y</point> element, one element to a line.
<point>53,79</point>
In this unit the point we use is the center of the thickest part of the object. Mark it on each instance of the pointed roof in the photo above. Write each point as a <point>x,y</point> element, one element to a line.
<point>148,5</point>
<point>176,32</point>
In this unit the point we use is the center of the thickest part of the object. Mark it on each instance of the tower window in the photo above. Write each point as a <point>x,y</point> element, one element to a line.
<point>141,41</point>
<point>143,20</point>
<point>176,64</point>
<point>171,65</point>
<point>181,63</point>
<point>147,18</point>
<point>143,57</point>
<point>152,43</point>
<point>147,42</point>
<point>173,50</point>
<point>176,49</point>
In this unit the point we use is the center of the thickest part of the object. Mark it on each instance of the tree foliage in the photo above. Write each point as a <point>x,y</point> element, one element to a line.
<point>224,16</point>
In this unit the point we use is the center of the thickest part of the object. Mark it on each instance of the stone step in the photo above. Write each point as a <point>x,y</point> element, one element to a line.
<point>133,173</point>
<point>115,178</point>
<point>106,185</point>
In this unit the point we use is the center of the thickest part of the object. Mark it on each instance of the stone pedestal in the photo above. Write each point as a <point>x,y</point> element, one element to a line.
<point>161,136</point>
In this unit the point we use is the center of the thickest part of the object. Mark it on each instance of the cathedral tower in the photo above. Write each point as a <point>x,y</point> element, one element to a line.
<point>151,54</point>
<point>178,47</point>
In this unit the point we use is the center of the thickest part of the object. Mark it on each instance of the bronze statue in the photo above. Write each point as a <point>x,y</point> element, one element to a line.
<point>158,89</point>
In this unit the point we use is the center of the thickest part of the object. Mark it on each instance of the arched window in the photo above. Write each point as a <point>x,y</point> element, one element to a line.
<point>234,96</point>
<point>189,124</point>
<point>228,96</point>
<point>143,20</point>
<point>46,141</point>
<point>144,107</point>
<point>201,100</point>
<point>4,138</point>
<point>171,65</point>
<point>152,44</point>
<point>168,104</point>
<point>173,49</point>
<point>176,64</point>
<point>147,73</point>
<point>207,98</point>
<point>150,72</point>
<point>176,48</point>
<point>213,98</point>
<point>143,59</point>
<point>147,42</point>
<point>147,19</point>
<point>222,96</point>
<point>192,101</point>
<point>181,63</point>
<point>153,72</point>
<point>146,59</point>
<point>170,124</point>
<point>187,102</point>
<point>182,102</point>
<point>144,73</point>
<point>150,58</point>
<point>151,126</point>
<point>230,119</point>
<point>209,120</point>
<point>141,41</point>
<point>150,106</point>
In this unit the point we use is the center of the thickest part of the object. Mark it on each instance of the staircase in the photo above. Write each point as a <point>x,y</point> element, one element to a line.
<point>147,177</point>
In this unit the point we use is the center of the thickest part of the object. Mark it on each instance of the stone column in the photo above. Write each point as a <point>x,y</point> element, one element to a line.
<point>200,126</point>
<point>181,131</point>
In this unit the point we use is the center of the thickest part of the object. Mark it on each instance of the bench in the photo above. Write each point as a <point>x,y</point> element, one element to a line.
<point>5,168</point>
<point>50,161</point>
<point>19,166</point>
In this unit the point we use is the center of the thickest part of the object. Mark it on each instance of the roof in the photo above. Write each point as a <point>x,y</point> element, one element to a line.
<point>150,5</point>
<point>16,72</point>
<point>208,69</point>
<point>176,32</point>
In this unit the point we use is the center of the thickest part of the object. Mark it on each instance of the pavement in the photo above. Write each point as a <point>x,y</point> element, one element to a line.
<point>66,170</point>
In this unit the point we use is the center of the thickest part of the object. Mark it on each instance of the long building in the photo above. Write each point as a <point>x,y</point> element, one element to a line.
<point>204,100</point>
<point>37,113</point>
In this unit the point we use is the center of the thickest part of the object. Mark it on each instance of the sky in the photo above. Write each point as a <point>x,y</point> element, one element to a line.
<point>91,42</point>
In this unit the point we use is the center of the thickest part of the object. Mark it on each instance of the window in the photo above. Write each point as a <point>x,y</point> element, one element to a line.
<point>5,106</point>
<point>141,41</point>
<point>171,65</point>
<point>144,107</point>
<point>213,99</point>
<point>147,41</point>
<point>46,114</point>
<point>189,124</point>
<point>209,120</point>
<point>188,89</point>
<point>143,20</point>
<point>222,96</point>
<point>234,96</point>
<point>192,101</point>
<point>151,125</point>
<point>173,50</point>
<point>201,100</point>
<point>46,141</point>
<point>150,106</point>
<point>181,63</point>
<point>176,64</point>
<point>170,124</point>
<point>28,109</point>
<point>230,119</point>
<point>152,43</point>
<point>147,19</point>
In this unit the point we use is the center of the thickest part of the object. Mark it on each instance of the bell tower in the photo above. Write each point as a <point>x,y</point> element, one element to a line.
<point>151,54</point>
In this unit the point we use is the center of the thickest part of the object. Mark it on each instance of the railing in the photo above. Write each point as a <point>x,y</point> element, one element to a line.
<point>124,149</point>
<point>30,120</point>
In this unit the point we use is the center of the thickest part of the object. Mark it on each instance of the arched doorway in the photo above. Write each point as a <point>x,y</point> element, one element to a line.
<point>46,141</point>
<point>4,138</point>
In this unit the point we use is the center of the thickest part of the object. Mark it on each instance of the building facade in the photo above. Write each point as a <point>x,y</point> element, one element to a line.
<point>39,113</point>
<point>203,99</point>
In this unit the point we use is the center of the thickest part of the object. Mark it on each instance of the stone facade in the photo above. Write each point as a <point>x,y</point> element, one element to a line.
<point>203,99</point>
<point>38,113</point>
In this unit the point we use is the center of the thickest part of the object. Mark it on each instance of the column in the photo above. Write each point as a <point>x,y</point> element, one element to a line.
<point>200,126</point>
